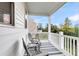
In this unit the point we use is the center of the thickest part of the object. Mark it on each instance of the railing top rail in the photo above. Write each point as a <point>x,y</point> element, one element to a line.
<point>75,38</point>
<point>55,33</point>
<point>39,32</point>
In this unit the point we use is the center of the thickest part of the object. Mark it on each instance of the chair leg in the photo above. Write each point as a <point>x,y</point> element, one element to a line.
<point>38,49</point>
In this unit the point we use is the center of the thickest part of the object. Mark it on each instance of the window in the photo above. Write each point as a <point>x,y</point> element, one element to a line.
<point>25,23</point>
<point>7,13</point>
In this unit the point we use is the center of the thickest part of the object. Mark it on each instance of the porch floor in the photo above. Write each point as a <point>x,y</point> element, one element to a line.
<point>47,48</point>
<point>52,50</point>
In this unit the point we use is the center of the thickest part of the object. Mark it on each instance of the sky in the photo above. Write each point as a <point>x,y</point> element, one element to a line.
<point>70,10</point>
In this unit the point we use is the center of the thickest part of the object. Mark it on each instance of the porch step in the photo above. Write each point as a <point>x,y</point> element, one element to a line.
<point>48,46</point>
<point>57,55</point>
<point>45,43</point>
<point>52,51</point>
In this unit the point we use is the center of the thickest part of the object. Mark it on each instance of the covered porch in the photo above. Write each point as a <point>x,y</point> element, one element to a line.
<point>57,44</point>
<point>53,44</point>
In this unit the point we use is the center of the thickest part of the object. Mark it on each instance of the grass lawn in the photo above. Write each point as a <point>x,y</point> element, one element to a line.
<point>43,36</point>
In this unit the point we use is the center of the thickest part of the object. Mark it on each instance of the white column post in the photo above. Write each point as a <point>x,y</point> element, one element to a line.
<point>61,40</point>
<point>27,17</point>
<point>49,28</point>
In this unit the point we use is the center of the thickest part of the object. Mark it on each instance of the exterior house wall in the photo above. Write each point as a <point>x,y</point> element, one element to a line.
<point>11,36</point>
<point>19,15</point>
<point>11,41</point>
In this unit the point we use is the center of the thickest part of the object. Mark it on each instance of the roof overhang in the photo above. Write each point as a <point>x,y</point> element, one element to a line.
<point>43,8</point>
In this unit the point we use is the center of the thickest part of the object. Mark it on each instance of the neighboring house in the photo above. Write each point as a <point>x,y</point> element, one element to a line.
<point>32,26</point>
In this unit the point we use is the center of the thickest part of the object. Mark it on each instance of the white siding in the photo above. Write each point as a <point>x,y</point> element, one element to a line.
<point>19,15</point>
<point>11,41</point>
<point>11,37</point>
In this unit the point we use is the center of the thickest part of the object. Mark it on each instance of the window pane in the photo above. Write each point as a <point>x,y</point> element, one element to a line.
<point>5,12</point>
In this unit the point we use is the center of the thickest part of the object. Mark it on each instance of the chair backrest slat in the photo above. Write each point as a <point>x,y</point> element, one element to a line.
<point>30,38</point>
<point>25,47</point>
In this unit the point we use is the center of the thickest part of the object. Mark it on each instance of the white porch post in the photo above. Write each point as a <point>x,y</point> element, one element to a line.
<point>61,40</point>
<point>27,17</point>
<point>49,28</point>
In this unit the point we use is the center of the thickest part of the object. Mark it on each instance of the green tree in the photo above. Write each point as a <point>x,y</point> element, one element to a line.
<point>66,27</point>
<point>76,30</point>
<point>39,26</point>
<point>45,29</point>
<point>54,28</point>
<point>66,24</point>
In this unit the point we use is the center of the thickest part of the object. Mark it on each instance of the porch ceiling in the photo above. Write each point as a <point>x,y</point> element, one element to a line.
<point>43,8</point>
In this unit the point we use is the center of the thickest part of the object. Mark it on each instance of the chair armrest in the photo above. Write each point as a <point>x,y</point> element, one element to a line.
<point>30,45</point>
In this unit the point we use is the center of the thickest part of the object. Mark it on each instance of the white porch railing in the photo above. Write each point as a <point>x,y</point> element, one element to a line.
<point>40,35</point>
<point>71,45</point>
<point>55,39</point>
<point>66,43</point>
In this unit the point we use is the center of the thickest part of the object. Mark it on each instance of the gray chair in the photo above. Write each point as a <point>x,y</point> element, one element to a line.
<point>34,41</point>
<point>26,49</point>
<point>28,52</point>
<point>38,43</point>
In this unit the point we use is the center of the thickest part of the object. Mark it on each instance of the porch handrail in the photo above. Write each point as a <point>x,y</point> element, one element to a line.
<point>67,43</point>
<point>76,38</point>
<point>71,44</point>
<point>38,32</point>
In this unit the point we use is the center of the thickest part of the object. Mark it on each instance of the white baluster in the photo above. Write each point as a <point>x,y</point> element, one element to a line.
<point>70,45</point>
<point>65,43</point>
<point>78,47</point>
<point>73,46</point>
<point>61,40</point>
